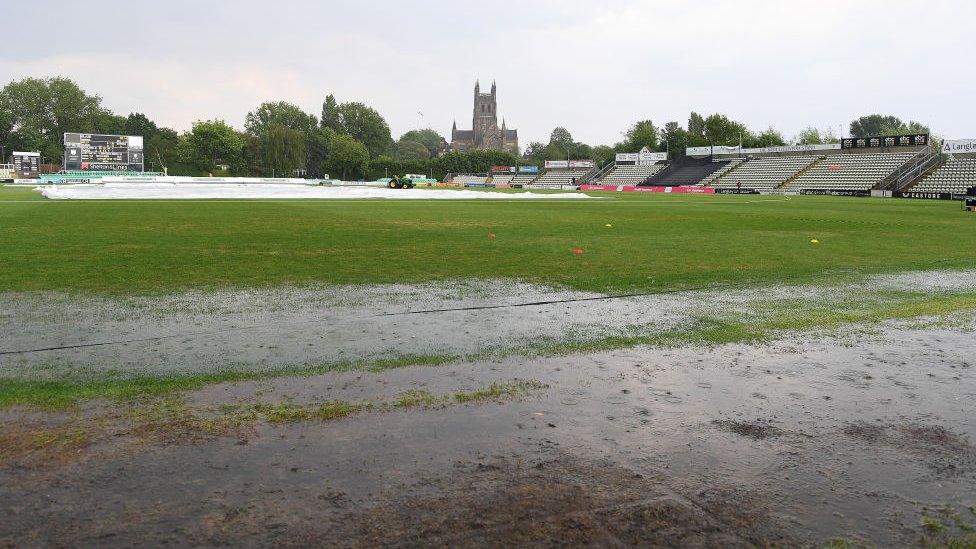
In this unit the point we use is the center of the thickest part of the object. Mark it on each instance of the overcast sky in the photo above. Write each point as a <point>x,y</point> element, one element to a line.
<point>593,67</point>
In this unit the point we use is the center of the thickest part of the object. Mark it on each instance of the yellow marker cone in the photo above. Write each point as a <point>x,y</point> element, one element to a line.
<point>609,226</point>
<point>814,241</point>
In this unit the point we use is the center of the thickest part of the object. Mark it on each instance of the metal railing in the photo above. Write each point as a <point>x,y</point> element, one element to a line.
<point>912,170</point>
<point>596,175</point>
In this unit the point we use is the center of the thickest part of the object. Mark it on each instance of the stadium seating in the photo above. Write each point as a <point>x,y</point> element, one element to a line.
<point>524,179</point>
<point>955,176</point>
<point>502,179</point>
<point>858,172</point>
<point>722,171</point>
<point>765,173</point>
<point>560,177</point>
<point>465,179</point>
<point>690,172</point>
<point>629,174</point>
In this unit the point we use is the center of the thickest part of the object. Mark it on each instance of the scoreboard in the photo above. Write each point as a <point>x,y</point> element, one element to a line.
<point>27,165</point>
<point>97,152</point>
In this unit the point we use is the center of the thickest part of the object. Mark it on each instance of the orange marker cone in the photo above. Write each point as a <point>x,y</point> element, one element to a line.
<point>578,251</point>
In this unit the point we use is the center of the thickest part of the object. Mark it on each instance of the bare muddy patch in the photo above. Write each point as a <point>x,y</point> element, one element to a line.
<point>758,429</point>
<point>947,454</point>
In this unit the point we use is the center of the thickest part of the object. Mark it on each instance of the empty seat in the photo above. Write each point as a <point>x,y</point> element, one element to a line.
<point>955,176</point>
<point>764,173</point>
<point>857,172</point>
<point>629,174</point>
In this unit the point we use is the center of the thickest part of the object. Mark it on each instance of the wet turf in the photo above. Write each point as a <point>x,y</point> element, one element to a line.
<point>656,242</point>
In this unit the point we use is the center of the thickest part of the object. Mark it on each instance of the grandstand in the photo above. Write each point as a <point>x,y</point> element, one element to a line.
<point>850,172</point>
<point>502,178</point>
<point>468,179</point>
<point>688,172</point>
<point>722,171</point>
<point>555,178</point>
<point>523,179</point>
<point>764,173</point>
<point>955,176</point>
<point>627,174</point>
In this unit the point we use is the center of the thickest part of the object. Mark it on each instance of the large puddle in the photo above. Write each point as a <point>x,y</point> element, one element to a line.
<point>51,336</point>
<point>800,441</point>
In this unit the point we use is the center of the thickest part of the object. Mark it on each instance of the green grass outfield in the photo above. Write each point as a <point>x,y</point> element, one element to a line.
<point>656,241</point>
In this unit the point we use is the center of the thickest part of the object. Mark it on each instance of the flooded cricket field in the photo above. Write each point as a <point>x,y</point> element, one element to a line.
<point>851,436</point>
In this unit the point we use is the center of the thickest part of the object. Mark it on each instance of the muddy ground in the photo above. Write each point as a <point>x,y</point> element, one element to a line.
<point>798,442</point>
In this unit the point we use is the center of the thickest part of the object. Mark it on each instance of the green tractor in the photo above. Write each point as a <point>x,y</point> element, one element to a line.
<point>397,183</point>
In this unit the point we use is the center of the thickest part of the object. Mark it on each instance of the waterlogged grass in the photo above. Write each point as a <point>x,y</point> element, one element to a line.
<point>758,321</point>
<point>290,412</point>
<point>64,393</point>
<point>416,398</point>
<point>656,242</point>
<point>497,392</point>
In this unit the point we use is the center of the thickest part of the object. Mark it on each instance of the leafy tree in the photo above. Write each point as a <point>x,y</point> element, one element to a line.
<point>768,138</point>
<point>676,139</point>
<point>601,154</point>
<point>139,124</point>
<point>280,113</point>
<point>561,136</point>
<point>210,143</point>
<point>534,154</point>
<point>720,130</point>
<point>330,115</point>
<point>348,158</point>
<point>109,123</point>
<point>387,166</point>
<point>284,150</point>
<point>433,141</point>
<point>412,150</point>
<point>36,113</point>
<point>475,161</point>
<point>317,149</point>
<point>161,149</point>
<point>809,136</point>
<point>640,135</point>
<point>362,123</point>
<point>696,125</point>
<point>876,124</point>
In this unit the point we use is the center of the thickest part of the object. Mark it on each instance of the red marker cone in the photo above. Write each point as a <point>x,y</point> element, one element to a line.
<point>578,251</point>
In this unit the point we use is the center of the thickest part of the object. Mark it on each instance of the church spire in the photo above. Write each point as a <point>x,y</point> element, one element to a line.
<point>493,87</point>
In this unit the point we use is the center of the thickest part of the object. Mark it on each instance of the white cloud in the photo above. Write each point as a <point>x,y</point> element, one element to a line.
<point>592,67</point>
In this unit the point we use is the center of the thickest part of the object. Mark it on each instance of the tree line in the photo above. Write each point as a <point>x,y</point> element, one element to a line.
<point>349,140</point>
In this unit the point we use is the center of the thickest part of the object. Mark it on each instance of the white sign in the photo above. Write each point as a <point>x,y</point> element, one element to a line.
<point>641,158</point>
<point>557,164</point>
<point>722,149</point>
<point>581,164</point>
<point>959,146</point>
<point>650,158</point>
